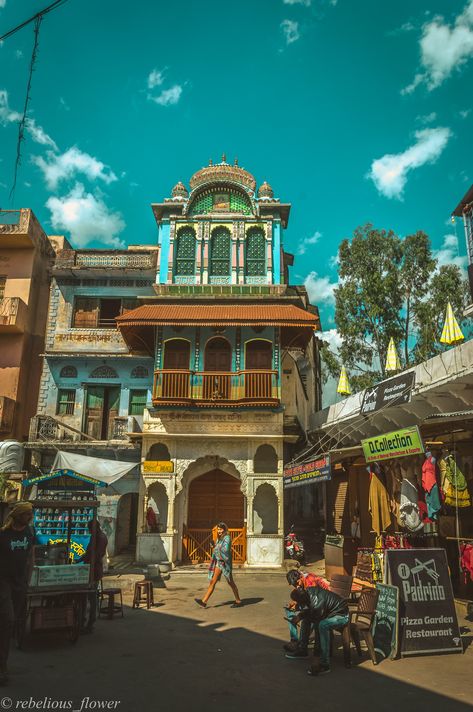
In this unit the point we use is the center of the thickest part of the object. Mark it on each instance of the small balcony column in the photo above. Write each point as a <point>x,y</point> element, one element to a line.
<point>241,276</point>
<point>234,276</point>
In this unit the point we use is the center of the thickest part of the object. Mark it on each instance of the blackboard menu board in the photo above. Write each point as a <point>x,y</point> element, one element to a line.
<point>386,621</point>
<point>427,617</point>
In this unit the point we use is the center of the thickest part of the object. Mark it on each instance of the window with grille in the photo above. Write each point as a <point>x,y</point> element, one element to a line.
<point>220,252</point>
<point>255,253</point>
<point>68,372</point>
<point>66,401</point>
<point>137,402</point>
<point>185,252</point>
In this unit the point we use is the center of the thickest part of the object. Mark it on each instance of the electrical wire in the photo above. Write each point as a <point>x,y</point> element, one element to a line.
<point>41,13</point>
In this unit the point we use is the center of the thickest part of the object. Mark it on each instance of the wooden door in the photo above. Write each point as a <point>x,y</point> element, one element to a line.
<point>94,411</point>
<point>111,409</point>
<point>217,360</point>
<point>259,355</point>
<point>215,497</point>
<point>176,376</point>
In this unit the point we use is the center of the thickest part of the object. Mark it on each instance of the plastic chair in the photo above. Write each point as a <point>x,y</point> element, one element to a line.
<point>109,605</point>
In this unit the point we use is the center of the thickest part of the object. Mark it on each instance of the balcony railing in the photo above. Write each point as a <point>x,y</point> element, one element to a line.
<point>13,314</point>
<point>216,387</point>
<point>46,428</point>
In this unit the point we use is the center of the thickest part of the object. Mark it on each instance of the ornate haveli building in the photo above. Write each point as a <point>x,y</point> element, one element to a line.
<point>235,371</point>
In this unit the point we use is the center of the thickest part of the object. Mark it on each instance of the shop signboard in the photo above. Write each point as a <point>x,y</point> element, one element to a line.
<point>386,621</point>
<point>151,467</point>
<point>308,472</point>
<point>398,443</point>
<point>427,617</point>
<point>78,543</point>
<point>394,391</point>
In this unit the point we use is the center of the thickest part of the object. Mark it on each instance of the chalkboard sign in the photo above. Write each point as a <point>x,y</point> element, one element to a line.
<point>386,621</point>
<point>427,617</point>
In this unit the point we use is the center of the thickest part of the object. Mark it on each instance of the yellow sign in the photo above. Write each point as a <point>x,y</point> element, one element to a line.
<point>157,466</point>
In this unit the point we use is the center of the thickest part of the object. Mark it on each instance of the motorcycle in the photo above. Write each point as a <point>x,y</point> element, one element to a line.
<point>294,547</point>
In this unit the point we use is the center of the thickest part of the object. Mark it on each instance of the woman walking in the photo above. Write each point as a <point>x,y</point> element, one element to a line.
<point>221,564</point>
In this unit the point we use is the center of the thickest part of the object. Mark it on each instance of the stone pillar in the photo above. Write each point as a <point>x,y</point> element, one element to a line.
<point>205,271</point>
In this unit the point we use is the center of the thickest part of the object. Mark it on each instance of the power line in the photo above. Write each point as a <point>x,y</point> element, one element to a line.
<point>39,14</point>
<point>37,19</point>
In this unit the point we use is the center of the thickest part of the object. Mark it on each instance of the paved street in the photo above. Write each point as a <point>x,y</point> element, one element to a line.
<point>180,657</point>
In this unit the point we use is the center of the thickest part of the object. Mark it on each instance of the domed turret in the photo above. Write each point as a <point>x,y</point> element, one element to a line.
<point>265,192</point>
<point>180,192</point>
<point>223,172</point>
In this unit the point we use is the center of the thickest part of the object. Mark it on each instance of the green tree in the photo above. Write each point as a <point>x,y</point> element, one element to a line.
<point>389,287</point>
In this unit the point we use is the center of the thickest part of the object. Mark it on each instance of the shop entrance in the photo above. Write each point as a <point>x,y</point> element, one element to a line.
<point>127,518</point>
<point>213,497</point>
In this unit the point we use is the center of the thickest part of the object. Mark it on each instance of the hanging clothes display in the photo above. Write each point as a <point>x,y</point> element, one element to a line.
<point>430,487</point>
<point>410,516</point>
<point>466,560</point>
<point>453,483</point>
<point>378,500</point>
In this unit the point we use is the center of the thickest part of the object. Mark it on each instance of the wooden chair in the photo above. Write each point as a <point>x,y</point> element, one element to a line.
<point>111,602</point>
<point>341,585</point>
<point>361,619</point>
<point>143,594</point>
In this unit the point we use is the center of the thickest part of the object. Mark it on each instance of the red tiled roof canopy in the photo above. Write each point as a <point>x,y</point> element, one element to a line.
<point>219,315</point>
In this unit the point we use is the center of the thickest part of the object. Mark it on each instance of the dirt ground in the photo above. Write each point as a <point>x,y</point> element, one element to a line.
<point>178,657</point>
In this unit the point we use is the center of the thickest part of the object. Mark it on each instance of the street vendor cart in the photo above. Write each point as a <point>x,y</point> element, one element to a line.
<point>61,584</point>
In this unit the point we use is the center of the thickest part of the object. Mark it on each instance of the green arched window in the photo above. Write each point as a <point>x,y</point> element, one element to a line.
<point>255,253</point>
<point>185,252</point>
<point>220,245</point>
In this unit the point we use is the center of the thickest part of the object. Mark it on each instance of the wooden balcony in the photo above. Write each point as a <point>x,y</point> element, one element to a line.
<point>217,388</point>
<point>13,315</point>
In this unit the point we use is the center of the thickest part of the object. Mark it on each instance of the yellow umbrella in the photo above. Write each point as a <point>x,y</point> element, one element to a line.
<point>392,359</point>
<point>451,333</point>
<point>343,385</point>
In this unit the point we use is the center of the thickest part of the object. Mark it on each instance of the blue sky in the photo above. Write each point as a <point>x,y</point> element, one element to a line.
<point>353,111</point>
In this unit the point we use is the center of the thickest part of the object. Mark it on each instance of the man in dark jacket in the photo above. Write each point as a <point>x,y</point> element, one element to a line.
<point>327,611</point>
<point>16,542</point>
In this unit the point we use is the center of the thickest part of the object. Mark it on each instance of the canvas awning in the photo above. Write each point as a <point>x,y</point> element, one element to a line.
<point>97,468</point>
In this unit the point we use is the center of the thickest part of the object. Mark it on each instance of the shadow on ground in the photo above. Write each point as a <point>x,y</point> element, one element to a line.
<point>159,660</point>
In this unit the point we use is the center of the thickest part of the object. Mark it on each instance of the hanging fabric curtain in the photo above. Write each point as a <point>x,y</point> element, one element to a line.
<point>343,385</point>
<point>392,359</point>
<point>451,333</point>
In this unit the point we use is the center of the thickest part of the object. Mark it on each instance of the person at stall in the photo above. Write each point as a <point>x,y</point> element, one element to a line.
<point>324,609</point>
<point>16,543</point>
<point>96,550</point>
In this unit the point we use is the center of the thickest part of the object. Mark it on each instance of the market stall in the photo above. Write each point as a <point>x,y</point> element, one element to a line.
<point>65,505</point>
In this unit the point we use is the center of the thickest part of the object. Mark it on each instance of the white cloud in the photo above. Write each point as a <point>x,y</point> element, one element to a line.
<point>307,3</point>
<point>64,104</point>
<point>312,240</point>
<point>465,113</point>
<point>39,135</point>
<point>155,78</point>
<point>427,118</point>
<point>443,48</point>
<point>8,116</point>
<point>18,54</point>
<point>86,217</point>
<point>290,29</point>
<point>64,166</point>
<point>168,97</point>
<point>320,289</point>
<point>449,253</point>
<point>3,3</point>
<point>332,337</point>
<point>389,173</point>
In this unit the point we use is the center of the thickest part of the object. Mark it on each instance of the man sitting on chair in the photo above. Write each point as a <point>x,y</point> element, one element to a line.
<point>324,609</point>
<point>302,580</point>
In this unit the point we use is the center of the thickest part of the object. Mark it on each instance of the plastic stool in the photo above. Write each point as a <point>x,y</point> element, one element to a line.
<point>143,594</point>
<point>110,606</point>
